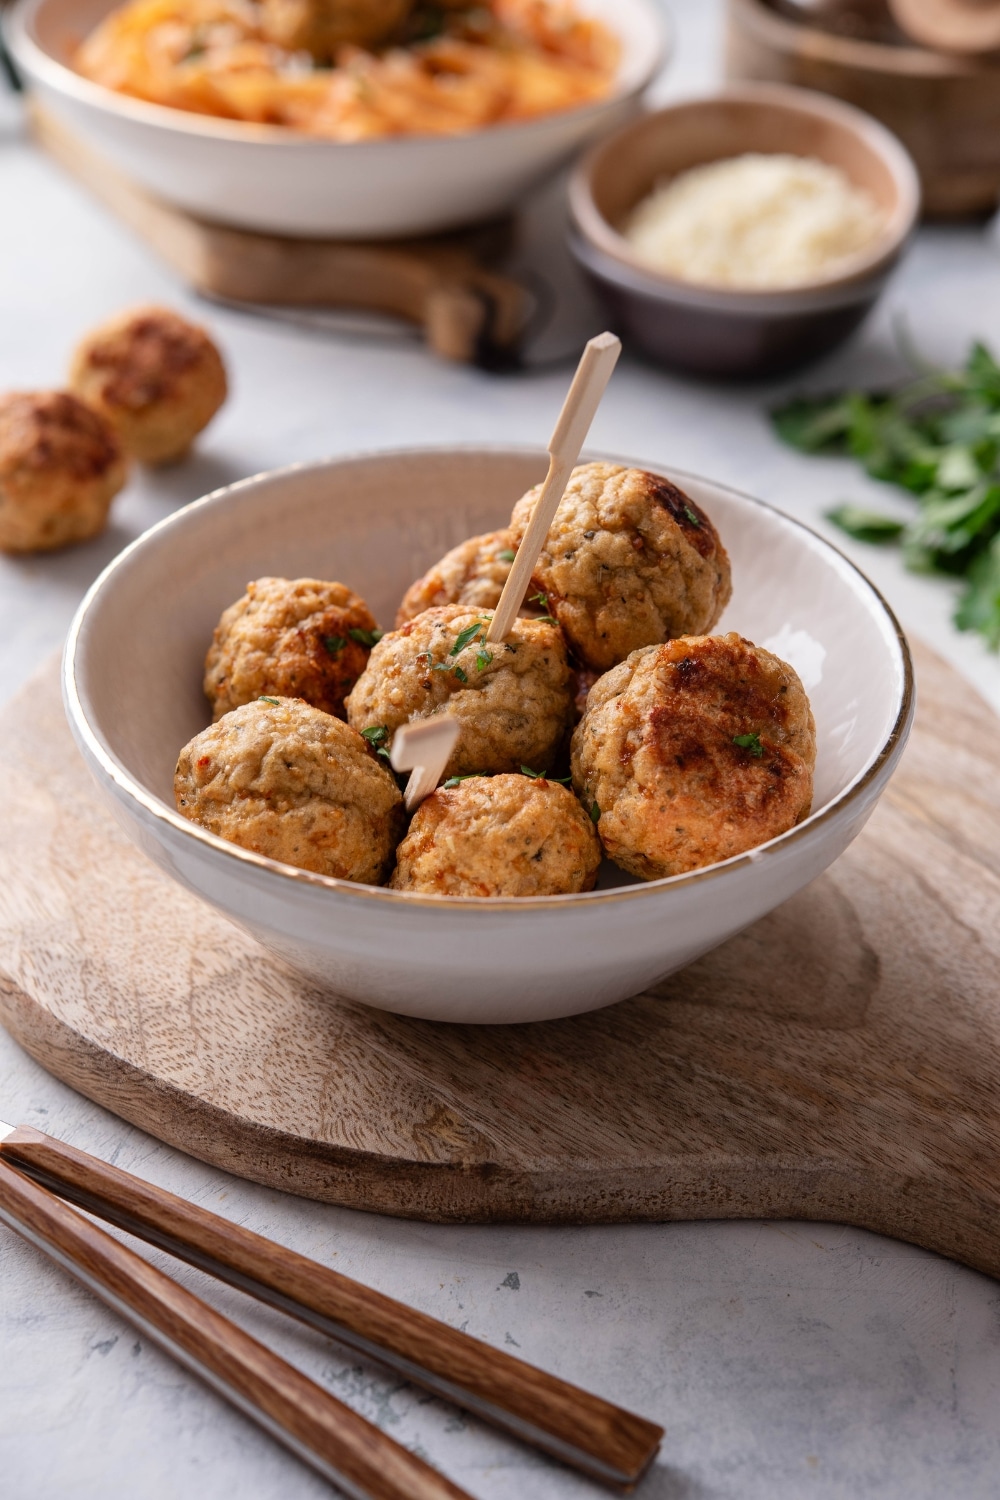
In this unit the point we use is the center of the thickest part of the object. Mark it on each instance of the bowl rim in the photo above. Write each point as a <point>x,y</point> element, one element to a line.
<point>125,783</point>
<point>58,76</point>
<point>860,267</point>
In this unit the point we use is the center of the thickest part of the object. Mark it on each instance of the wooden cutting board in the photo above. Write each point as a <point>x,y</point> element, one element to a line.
<point>840,1060</point>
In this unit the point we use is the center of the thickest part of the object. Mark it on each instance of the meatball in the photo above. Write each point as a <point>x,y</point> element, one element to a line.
<point>694,751</point>
<point>60,467</point>
<point>499,836</point>
<point>156,378</point>
<point>292,638</point>
<point>514,700</point>
<point>472,573</point>
<point>322,27</point>
<point>629,561</point>
<point>296,785</point>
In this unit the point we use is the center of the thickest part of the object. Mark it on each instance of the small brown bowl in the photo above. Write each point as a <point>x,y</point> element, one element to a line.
<point>724,331</point>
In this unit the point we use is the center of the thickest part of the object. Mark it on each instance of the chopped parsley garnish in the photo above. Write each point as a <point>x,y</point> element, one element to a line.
<point>460,675</point>
<point>453,781</point>
<point>542,600</point>
<point>367,638</point>
<point>749,742</point>
<point>467,636</point>
<point>273,701</point>
<point>595,813</point>
<point>441,666</point>
<point>483,658</point>
<point>334,644</point>
<point>543,776</point>
<point>375,734</point>
<point>695,520</point>
<point>507,555</point>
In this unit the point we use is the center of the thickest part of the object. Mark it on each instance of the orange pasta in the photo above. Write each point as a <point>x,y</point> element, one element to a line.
<point>441,70</point>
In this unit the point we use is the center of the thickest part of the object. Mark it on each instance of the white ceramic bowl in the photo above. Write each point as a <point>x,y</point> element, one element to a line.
<point>269,178</point>
<point>133,670</point>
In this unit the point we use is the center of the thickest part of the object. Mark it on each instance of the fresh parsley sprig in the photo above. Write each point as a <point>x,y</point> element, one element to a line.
<point>938,438</point>
<point>749,742</point>
<point>377,736</point>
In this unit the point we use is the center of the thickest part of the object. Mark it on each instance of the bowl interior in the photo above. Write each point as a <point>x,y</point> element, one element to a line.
<point>57,27</point>
<point>623,170</point>
<point>376,523</point>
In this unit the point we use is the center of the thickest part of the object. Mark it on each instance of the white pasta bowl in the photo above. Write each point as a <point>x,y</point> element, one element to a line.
<point>132,680</point>
<point>271,178</point>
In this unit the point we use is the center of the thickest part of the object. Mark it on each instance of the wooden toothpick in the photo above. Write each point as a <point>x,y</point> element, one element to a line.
<point>592,375</point>
<point>423,747</point>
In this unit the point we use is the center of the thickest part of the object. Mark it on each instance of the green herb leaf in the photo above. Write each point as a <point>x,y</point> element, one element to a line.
<point>454,781</point>
<point>749,742</point>
<point>507,555</point>
<point>375,734</point>
<point>695,520</point>
<point>334,644</point>
<point>367,638</point>
<point>462,677</point>
<point>483,658</point>
<point>467,636</point>
<point>865,525</point>
<point>939,438</point>
<point>543,776</point>
<point>595,813</point>
<point>273,701</point>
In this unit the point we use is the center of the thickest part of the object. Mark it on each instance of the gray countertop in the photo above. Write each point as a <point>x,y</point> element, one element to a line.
<point>785,1360</point>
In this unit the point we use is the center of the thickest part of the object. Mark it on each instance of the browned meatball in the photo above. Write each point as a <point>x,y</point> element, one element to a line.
<point>293,638</point>
<point>694,751</point>
<point>60,467</point>
<point>472,573</point>
<point>322,27</point>
<point>296,785</point>
<point>499,836</point>
<point>156,378</point>
<point>513,701</point>
<point>629,561</point>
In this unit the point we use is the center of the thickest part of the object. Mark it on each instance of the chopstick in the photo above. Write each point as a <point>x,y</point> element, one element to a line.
<point>318,1428</point>
<point>581,1429</point>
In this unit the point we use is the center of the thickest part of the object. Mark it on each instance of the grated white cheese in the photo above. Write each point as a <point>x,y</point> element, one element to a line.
<point>754,221</point>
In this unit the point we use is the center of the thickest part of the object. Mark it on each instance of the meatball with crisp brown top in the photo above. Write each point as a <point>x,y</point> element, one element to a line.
<point>158,379</point>
<point>292,638</point>
<point>513,700</point>
<point>694,751</point>
<point>472,573</point>
<point>499,836</point>
<point>60,467</point>
<point>296,785</point>
<point>629,561</point>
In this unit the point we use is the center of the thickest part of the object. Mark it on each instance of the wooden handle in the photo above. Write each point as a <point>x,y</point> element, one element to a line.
<point>581,1429</point>
<point>962,26</point>
<point>317,1427</point>
<point>423,747</point>
<point>579,409</point>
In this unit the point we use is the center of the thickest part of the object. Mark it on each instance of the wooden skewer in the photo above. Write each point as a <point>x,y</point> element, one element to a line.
<point>423,747</point>
<point>350,1452</point>
<point>592,375</point>
<point>950,25</point>
<point>582,1429</point>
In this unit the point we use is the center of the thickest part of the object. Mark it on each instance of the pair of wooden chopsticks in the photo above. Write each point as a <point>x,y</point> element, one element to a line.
<point>602,1440</point>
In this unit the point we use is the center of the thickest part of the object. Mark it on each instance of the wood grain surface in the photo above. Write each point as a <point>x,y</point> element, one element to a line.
<point>348,1450</point>
<point>469,312</point>
<point>838,1061</point>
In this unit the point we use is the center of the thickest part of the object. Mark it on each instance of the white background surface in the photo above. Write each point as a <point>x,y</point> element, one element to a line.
<point>785,1360</point>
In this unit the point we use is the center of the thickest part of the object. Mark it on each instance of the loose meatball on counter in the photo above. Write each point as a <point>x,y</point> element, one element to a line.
<point>499,836</point>
<point>296,785</point>
<point>292,638</point>
<point>158,379</point>
<point>694,751</point>
<point>472,573</point>
<point>60,467</point>
<point>514,701</point>
<point>629,561</point>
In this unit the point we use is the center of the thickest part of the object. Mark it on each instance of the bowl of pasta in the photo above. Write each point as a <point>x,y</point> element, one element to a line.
<point>330,118</point>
